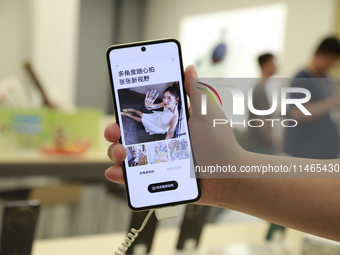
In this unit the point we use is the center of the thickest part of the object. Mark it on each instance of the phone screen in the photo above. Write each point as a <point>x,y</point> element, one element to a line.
<point>150,105</point>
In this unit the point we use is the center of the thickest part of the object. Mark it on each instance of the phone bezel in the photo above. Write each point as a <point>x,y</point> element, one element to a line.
<point>144,44</point>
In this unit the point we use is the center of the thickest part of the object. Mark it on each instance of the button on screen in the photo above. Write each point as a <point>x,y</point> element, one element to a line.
<point>162,186</point>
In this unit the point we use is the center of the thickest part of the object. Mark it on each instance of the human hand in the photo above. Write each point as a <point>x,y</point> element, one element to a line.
<point>216,145</point>
<point>273,199</point>
<point>150,98</point>
<point>337,99</point>
<point>116,152</point>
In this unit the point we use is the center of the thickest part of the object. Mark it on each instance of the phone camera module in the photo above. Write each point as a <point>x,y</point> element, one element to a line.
<point>143,49</point>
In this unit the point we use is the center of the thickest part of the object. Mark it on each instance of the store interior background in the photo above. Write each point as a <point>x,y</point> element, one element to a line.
<point>66,40</point>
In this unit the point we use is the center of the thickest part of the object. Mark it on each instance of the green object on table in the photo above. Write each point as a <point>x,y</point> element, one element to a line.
<point>49,130</point>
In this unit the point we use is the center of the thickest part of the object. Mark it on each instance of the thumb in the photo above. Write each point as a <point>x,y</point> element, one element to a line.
<point>189,73</point>
<point>212,144</point>
<point>195,90</point>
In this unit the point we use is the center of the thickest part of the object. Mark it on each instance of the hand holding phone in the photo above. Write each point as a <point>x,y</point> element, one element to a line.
<point>158,169</point>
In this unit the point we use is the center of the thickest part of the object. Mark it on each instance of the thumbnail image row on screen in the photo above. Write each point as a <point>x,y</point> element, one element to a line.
<point>158,152</point>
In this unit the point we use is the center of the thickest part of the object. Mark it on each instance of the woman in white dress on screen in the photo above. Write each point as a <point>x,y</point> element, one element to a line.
<point>159,122</point>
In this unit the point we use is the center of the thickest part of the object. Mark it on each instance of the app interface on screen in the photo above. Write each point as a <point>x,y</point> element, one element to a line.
<point>149,97</point>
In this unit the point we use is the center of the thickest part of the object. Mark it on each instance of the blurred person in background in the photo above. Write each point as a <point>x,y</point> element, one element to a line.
<point>260,138</point>
<point>316,135</point>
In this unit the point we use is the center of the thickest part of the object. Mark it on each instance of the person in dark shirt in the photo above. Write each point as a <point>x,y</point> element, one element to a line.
<point>316,135</point>
<point>259,138</point>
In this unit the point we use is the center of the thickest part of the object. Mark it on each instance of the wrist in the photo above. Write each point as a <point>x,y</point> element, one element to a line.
<point>335,100</point>
<point>220,192</point>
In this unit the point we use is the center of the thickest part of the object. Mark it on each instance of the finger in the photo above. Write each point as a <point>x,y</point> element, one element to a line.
<point>156,95</point>
<point>116,152</point>
<point>209,141</point>
<point>195,89</point>
<point>152,94</point>
<point>189,109</point>
<point>146,96</point>
<point>115,173</point>
<point>112,132</point>
<point>190,73</point>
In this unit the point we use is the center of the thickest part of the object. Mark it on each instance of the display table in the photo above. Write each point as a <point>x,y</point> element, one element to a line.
<point>89,166</point>
<point>165,240</point>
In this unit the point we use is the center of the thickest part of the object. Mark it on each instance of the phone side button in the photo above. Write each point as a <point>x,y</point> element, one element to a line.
<point>162,186</point>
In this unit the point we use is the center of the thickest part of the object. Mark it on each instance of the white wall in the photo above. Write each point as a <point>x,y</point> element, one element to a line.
<point>14,24</point>
<point>307,22</point>
<point>54,47</point>
<point>52,44</point>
